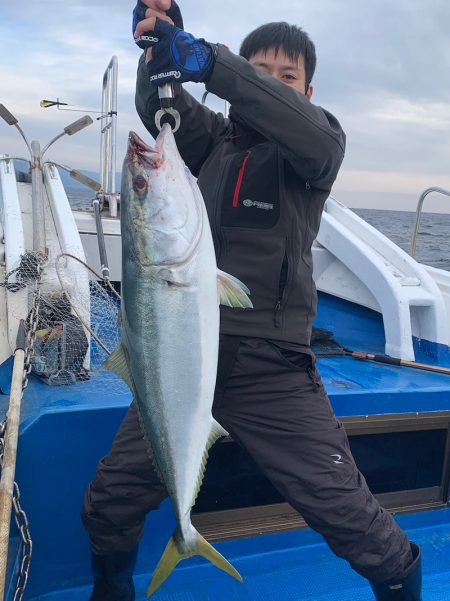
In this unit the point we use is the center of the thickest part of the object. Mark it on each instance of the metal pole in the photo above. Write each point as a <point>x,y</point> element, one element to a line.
<point>39,241</point>
<point>103,147</point>
<point>101,240</point>
<point>113,104</point>
<point>109,134</point>
<point>412,252</point>
<point>10,452</point>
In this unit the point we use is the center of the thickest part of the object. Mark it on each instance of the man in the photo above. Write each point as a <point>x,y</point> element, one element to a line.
<point>265,174</point>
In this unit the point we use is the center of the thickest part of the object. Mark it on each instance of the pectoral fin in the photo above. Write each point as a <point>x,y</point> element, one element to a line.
<point>232,292</point>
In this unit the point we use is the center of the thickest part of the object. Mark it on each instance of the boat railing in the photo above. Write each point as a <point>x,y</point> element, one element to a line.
<point>424,194</point>
<point>108,137</point>
<point>226,109</point>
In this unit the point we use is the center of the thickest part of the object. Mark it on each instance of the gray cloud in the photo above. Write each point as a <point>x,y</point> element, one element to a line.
<point>400,48</point>
<point>382,69</point>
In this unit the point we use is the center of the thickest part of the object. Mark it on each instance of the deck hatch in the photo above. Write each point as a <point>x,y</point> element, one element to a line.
<point>237,499</point>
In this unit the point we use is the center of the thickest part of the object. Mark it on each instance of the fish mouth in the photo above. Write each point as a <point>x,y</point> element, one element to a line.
<point>140,152</point>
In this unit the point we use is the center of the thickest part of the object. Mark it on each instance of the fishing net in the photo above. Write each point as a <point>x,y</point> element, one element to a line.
<point>74,313</point>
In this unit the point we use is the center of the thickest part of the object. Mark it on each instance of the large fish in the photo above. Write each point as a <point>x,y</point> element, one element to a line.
<point>170,328</point>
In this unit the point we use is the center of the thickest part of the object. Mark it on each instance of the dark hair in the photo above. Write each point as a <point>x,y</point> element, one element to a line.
<point>281,36</point>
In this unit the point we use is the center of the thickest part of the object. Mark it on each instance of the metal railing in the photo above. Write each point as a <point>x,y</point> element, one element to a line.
<point>108,137</point>
<point>226,109</point>
<point>412,251</point>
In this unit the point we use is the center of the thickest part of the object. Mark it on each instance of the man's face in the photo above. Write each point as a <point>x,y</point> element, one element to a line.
<point>290,72</point>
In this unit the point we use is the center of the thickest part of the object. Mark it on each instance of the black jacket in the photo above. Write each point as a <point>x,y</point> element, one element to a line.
<point>265,174</point>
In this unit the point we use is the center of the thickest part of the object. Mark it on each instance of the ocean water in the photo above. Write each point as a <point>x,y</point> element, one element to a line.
<point>433,243</point>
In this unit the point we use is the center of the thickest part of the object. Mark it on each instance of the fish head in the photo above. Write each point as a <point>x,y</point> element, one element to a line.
<point>160,207</point>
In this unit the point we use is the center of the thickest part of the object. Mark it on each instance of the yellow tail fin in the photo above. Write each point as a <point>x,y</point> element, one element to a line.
<point>172,556</point>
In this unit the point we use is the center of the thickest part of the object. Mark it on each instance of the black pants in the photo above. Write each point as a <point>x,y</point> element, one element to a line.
<point>272,402</point>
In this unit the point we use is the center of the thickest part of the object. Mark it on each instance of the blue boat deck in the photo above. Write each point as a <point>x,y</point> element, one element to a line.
<point>294,566</point>
<point>355,387</point>
<point>358,387</point>
<point>65,430</point>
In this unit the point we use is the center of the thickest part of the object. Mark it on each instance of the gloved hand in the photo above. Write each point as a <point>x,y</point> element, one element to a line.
<point>175,14</point>
<point>179,56</point>
<point>139,15</point>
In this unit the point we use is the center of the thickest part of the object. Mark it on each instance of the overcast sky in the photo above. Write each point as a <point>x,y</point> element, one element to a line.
<point>383,70</point>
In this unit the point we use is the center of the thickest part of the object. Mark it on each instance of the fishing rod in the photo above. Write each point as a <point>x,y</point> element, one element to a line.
<point>363,356</point>
<point>328,346</point>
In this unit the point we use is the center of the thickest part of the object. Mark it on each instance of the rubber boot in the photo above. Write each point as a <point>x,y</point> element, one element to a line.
<point>113,576</point>
<point>407,587</point>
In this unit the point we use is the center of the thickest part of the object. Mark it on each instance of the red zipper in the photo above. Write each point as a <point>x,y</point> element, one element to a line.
<point>239,180</point>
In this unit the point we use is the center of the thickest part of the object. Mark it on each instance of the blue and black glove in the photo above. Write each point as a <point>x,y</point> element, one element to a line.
<point>179,56</point>
<point>150,38</point>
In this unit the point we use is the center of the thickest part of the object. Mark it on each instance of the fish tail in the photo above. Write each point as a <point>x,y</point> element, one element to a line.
<point>172,556</point>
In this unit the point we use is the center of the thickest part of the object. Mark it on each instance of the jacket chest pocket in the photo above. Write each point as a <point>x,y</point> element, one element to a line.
<point>250,195</point>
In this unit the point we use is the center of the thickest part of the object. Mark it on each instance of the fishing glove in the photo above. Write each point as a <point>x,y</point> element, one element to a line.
<point>179,56</point>
<point>139,15</point>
